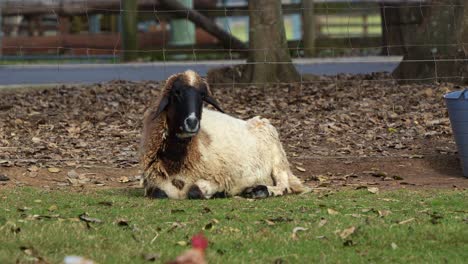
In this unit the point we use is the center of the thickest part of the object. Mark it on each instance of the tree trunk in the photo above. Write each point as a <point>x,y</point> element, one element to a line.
<point>129,30</point>
<point>308,27</point>
<point>434,39</point>
<point>269,59</point>
<point>392,24</point>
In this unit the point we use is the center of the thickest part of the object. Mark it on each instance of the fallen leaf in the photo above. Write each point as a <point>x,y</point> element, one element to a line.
<point>122,222</point>
<point>123,179</point>
<point>406,221</point>
<point>53,208</point>
<point>106,203</point>
<point>6,163</point>
<point>208,226</point>
<point>73,182</point>
<point>175,225</point>
<point>332,212</point>
<point>84,217</point>
<point>279,261</point>
<point>383,213</point>
<point>53,170</point>
<point>296,230</point>
<point>33,168</point>
<point>151,257</point>
<point>77,260</point>
<point>72,174</point>
<point>356,215</point>
<point>3,177</point>
<point>300,169</point>
<point>373,190</point>
<point>182,243</point>
<point>322,178</point>
<point>394,246</point>
<point>322,222</point>
<point>347,232</point>
<point>206,210</point>
<point>280,219</point>
<point>24,209</point>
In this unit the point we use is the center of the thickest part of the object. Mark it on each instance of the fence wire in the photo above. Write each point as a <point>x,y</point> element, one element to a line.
<point>18,50</point>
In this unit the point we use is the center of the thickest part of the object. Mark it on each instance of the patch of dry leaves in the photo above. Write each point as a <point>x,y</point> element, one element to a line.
<point>339,116</point>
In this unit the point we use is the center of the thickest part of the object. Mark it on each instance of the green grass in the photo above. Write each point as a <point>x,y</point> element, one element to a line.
<point>239,230</point>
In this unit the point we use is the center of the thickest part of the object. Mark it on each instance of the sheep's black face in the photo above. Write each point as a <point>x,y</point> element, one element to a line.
<point>185,110</point>
<point>183,104</point>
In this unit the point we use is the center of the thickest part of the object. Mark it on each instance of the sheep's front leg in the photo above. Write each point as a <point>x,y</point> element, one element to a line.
<point>263,191</point>
<point>155,193</point>
<point>203,189</point>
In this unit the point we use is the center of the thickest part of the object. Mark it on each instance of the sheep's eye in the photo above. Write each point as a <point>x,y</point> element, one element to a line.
<point>203,94</point>
<point>177,93</point>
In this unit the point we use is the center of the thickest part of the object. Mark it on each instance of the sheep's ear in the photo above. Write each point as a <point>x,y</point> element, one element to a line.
<point>162,106</point>
<point>213,102</point>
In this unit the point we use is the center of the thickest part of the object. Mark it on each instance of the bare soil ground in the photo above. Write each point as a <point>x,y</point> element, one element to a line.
<point>354,131</point>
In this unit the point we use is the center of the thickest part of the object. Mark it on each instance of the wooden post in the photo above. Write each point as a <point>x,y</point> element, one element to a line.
<point>365,22</point>
<point>94,24</point>
<point>1,32</point>
<point>308,27</point>
<point>64,25</point>
<point>37,22</point>
<point>129,30</point>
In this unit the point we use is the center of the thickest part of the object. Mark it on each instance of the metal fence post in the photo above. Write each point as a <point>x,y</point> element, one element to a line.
<point>182,30</point>
<point>94,24</point>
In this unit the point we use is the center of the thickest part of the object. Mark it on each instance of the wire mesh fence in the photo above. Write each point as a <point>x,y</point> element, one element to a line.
<point>60,31</point>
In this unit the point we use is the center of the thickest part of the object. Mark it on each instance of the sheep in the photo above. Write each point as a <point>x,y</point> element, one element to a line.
<point>186,156</point>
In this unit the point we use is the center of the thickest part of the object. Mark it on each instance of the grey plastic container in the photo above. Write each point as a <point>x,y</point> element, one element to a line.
<point>457,104</point>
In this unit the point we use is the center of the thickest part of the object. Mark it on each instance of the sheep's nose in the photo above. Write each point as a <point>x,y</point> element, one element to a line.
<point>191,124</point>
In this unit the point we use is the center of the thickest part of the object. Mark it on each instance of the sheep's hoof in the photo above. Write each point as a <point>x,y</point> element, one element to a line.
<point>195,193</point>
<point>219,195</point>
<point>257,192</point>
<point>155,193</point>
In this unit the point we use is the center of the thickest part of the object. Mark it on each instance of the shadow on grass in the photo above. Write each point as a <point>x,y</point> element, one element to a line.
<point>130,192</point>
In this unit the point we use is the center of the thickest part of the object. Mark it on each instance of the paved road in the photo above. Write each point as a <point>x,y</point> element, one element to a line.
<point>93,73</point>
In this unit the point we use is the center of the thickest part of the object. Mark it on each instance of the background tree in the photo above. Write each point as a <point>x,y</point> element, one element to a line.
<point>268,59</point>
<point>433,39</point>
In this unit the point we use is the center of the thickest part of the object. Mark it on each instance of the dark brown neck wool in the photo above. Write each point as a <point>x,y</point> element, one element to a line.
<point>174,153</point>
